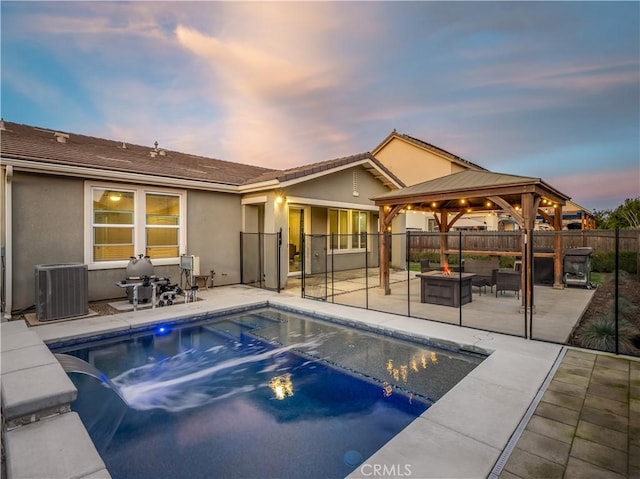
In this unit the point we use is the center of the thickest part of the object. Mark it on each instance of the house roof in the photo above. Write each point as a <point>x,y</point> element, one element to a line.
<point>53,148</point>
<point>427,146</point>
<point>471,182</point>
<point>25,142</point>
<point>367,160</point>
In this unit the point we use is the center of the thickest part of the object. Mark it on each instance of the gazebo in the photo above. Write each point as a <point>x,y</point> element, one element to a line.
<point>476,191</point>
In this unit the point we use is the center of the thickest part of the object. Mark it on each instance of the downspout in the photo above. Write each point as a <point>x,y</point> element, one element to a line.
<point>8,249</point>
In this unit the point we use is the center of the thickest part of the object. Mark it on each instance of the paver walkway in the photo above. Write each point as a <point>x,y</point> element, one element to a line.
<point>587,424</point>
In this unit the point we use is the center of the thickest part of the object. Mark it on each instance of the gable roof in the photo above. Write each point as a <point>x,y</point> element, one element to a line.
<point>427,146</point>
<point>471,181</point>
<point>306,172</point>
<point>23,142</point>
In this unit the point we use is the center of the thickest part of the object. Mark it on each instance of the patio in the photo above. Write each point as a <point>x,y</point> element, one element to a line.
<point>557,311</point>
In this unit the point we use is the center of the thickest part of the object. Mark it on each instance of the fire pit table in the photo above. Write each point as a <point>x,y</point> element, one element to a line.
<point>438,287</point>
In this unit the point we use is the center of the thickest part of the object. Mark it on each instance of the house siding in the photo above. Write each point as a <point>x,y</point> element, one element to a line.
<point>48,217</point>
<point>339,187</point>
<point>213,234</point>
<point>414,165</point>
<point>48,228</point>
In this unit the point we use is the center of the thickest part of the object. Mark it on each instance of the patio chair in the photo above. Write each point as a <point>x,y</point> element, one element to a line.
<point>508,281</point>
<point>485,271</point>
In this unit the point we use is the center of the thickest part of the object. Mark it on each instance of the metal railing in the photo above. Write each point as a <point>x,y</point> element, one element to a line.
<point>261,260</point>
<point>530,296</point>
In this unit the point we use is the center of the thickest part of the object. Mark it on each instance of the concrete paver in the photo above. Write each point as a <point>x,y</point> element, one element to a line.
<point>586,431</point>
<point>558,414</point>
<point>578,469</point>
<point>523,464</point>
<point>545,446</point>
<point>58,447</point>
<point>552,428</point>
<point>594,433</point>
<point>27,391</point>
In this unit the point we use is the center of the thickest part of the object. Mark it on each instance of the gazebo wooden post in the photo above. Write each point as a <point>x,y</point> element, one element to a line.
<point>444,237</point>
<point>383,252</point>
<point>528,217</point>
<point>557,248</point>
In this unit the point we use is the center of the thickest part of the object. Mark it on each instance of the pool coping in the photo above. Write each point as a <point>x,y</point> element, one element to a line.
<point>462,435</point>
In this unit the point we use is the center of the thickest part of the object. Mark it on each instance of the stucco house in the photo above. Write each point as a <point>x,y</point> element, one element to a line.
<point>70,198</point>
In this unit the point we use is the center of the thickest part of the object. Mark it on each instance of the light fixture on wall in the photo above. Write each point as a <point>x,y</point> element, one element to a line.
<point>113,196</point>
<point>280,198</point>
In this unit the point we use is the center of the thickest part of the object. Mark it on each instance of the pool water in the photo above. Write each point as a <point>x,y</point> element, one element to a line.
<point>261,394</point>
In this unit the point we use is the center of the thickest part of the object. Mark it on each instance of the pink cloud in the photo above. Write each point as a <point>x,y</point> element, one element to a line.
<point>592,189</point>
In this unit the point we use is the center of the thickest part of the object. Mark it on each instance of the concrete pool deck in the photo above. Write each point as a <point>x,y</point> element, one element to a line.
<point>462,435</point>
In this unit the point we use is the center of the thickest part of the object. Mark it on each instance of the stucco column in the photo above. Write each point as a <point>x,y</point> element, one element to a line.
<point>275,218</point>
<point>399,244</point>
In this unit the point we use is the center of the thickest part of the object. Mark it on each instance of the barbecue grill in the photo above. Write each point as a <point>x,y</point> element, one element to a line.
<point>577,267</point>
<point>140,284</point>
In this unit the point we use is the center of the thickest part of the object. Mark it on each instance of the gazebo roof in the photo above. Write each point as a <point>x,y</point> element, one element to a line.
<point>471,183</point>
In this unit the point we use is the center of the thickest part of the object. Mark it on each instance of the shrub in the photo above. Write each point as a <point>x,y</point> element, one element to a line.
<point>605,261</point>
<point>600,334</point>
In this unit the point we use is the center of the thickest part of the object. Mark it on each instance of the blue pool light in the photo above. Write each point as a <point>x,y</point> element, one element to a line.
<point>161,330</point>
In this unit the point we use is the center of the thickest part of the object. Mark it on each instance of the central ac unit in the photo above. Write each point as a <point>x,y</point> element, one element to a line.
<point>61,291</point>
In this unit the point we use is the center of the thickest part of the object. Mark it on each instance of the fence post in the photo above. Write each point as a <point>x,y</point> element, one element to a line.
<point>279,257</point>
<point>260,256</point>
<point>460,268</point>
<point>525,276</point>
<point>366,269</point>
<point>241,258</point>
<point>615,295</point>
<point>531,284</point>
<point>326,268</point>
<point>303,263</point>
<point>408,258</point>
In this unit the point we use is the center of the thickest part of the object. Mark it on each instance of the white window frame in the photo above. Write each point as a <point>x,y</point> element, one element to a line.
<point>139,223</point>
<point>350,233</point>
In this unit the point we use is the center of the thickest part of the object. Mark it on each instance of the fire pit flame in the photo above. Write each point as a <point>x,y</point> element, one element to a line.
<point>445,269</point>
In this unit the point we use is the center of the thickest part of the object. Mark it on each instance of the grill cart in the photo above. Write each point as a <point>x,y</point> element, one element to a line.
<point>577,267</point>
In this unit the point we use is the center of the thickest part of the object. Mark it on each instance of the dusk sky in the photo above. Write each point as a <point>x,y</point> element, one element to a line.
<point>543,89</point>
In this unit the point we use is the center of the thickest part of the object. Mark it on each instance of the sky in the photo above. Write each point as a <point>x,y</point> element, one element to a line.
<point>543,89</point>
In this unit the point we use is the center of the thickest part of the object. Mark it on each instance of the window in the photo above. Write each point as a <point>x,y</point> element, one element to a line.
<point>127,221</point>
<point>163,222</point>
<point>113,224</point>
<point>358,229</point>
<point>348,229</point>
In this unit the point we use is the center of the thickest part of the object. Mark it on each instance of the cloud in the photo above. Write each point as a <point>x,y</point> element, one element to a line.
<point>38,90</point>
<point>251,71</point>
<point>599,189</point>
<point>279,80</point>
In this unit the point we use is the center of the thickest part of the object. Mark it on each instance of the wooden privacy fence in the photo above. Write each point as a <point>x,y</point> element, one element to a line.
<point>599,240</point>
<point>493,242</point>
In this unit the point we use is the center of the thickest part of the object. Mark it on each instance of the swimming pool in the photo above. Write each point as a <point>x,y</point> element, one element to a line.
<point>265,393</point>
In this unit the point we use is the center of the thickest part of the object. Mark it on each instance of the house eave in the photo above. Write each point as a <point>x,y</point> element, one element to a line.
<point>35,166</point>
<point>368,164</point>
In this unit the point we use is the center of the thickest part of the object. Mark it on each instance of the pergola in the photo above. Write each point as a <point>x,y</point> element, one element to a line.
<point>476,191</point>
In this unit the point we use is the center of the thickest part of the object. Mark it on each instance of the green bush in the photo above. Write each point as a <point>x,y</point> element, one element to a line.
<point>605,261</point>
<point>600,334</point>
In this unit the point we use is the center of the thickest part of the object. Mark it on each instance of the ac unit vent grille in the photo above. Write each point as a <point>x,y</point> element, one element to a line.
<point>61,291</point>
